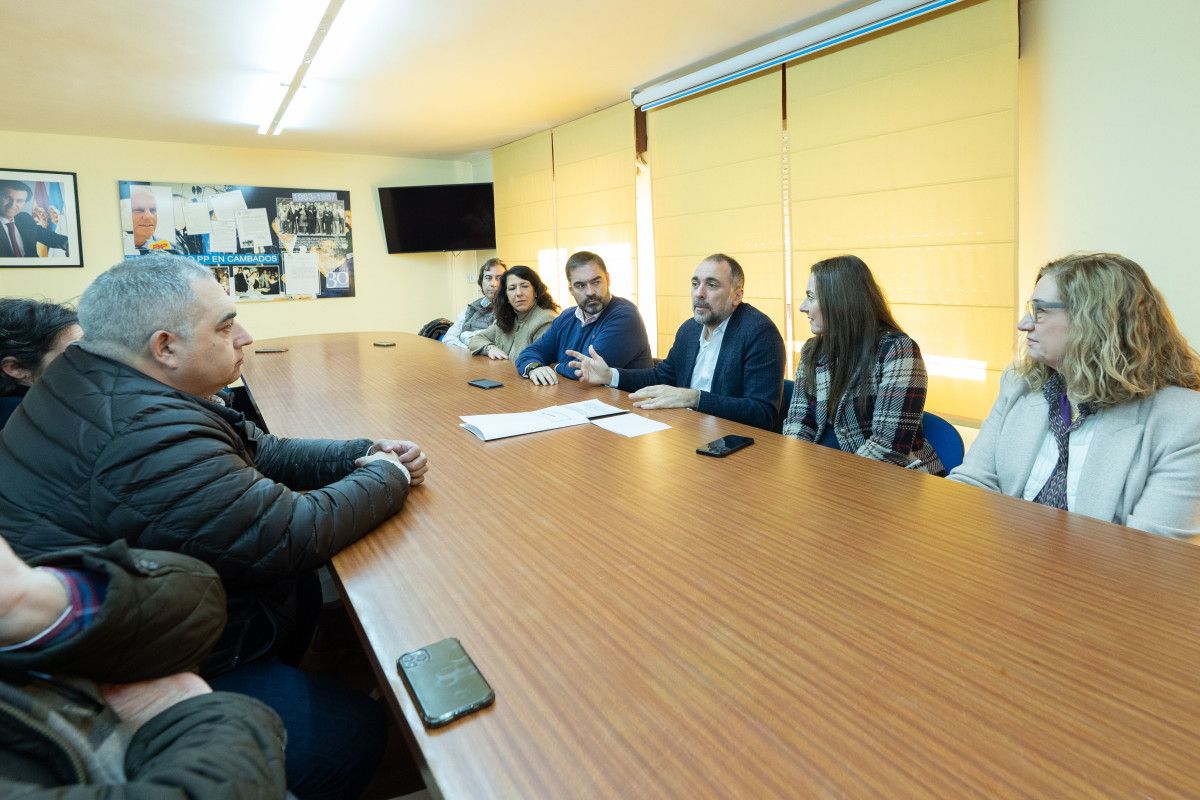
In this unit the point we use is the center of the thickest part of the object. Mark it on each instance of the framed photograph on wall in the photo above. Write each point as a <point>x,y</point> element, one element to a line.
<point>39,219</point>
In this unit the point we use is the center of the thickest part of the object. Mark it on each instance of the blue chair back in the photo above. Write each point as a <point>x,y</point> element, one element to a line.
<point>945,439</point>
<point>789,386</point>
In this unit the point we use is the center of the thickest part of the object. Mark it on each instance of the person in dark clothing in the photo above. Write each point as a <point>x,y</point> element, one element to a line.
<point>139,621</point>
<point>32,334</point>
<point>132,445</point>
<point>728,360</point>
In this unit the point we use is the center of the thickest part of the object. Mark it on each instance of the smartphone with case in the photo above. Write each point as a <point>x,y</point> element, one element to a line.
<point>486,383</point>
<point>719,448</point>
<point>444,682</point>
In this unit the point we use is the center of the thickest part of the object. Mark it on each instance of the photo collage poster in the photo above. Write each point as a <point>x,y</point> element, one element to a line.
<point>262,243</point>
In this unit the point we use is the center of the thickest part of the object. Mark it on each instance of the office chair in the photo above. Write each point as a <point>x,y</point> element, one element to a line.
<point>435,329</point>
<point>947,442</point>
<point>240,399</point>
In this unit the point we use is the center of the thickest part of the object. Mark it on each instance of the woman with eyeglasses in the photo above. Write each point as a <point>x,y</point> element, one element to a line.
<point>1100,415</point>
<point>860,385</point>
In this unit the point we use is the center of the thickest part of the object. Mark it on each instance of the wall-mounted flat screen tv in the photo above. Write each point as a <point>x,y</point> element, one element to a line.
<point>426,219</point>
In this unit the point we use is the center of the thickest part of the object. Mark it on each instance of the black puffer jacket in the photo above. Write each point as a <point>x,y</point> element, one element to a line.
<point>160,613</point>
<point>99,451</point>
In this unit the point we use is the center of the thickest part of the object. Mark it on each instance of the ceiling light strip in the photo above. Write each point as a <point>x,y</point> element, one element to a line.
<point>732,69</point>
<point>331,12</point>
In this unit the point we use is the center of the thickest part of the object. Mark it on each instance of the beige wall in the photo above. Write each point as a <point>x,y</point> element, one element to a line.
<point>1109,142</point>
<point>394,292</point>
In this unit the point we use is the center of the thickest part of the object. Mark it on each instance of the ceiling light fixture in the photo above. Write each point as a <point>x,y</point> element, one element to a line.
<point>274,126</point>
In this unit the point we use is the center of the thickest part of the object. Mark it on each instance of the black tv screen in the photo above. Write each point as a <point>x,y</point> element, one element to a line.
<point>425,219</point>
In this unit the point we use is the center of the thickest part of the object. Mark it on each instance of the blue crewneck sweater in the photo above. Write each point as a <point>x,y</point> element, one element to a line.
<point>619,336</point>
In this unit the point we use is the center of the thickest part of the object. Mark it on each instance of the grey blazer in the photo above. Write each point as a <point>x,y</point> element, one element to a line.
<point>1142,468</point>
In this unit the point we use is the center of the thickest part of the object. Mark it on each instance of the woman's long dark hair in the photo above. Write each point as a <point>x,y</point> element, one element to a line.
<point>854,313</point>
<point>28,329</point>
<point>506,315</point>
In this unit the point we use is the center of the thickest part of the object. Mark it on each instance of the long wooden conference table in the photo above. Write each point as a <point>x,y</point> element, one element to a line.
<point>790,621</point>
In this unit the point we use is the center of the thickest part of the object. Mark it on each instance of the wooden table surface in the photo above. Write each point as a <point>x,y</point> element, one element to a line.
<point>790,621</point>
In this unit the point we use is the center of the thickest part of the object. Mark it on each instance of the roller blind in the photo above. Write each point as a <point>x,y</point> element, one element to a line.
<point>715,166</point>
<point>903,150</point>
<point>594,175</point>
<point>523,186</point>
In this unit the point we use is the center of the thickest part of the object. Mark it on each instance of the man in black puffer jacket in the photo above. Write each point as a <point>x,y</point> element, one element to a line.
<point>122,439</point>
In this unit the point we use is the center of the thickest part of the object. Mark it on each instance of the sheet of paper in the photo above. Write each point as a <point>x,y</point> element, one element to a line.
<point>196,218</point>
<point>224,237</point>
<point>253,228</point>
<point>500,426</point>
<point>300,273</point>
<point>227,204</point>
<point>630,425</point>
<point>593,408</point>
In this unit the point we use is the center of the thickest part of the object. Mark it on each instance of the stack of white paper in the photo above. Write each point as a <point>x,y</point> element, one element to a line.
<point>500,426</point>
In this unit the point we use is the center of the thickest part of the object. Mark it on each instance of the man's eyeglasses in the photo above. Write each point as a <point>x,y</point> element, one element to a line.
<point>1037,308</point>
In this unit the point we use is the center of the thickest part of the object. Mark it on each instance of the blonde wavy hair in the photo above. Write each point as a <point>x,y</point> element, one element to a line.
<point>1123,343</point>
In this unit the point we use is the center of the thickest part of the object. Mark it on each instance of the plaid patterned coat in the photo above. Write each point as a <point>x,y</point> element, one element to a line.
<point>886,426</point>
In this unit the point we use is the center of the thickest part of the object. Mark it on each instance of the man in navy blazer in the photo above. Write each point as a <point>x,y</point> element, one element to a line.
<point>728,360</point>
<point>19,233</point>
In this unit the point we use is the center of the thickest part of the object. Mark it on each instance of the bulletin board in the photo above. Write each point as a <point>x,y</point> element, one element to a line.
<point>261,242</point>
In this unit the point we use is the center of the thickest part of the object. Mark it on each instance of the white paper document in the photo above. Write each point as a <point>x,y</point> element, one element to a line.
<point>224,237</point>
<point>593,408</point>
<point>300,272</point>
<point>630,425</point>
<point>500,426</point>
<point>196,218</point>
<point>227,204</point>
<point>253,228</point>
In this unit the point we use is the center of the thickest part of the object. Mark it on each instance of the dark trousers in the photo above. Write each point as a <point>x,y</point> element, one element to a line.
<point>335,735</point>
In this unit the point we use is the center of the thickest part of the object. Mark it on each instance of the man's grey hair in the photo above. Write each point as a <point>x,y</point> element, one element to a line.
<point>123,307</point>
<point>736,273</point>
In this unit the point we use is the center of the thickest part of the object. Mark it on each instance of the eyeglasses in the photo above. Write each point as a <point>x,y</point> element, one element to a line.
<point>1036,308</point>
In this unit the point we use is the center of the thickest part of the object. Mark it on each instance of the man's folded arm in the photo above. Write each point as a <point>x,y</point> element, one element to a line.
<point>208,503</point>
<point>303,464</point>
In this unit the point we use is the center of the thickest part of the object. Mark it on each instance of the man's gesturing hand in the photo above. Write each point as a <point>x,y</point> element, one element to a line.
<point>590,368</point>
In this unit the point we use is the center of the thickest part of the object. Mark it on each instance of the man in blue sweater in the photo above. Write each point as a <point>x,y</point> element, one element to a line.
<point>610,324</point>
<point>728,360</point>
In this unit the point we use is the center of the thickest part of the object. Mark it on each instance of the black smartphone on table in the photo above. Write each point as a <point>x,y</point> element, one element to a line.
<point>719,448</point>
<point>444,682</point>
<point>485,383</point>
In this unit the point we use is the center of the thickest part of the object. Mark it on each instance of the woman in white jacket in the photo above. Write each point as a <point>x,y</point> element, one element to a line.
<point>1100,415</point>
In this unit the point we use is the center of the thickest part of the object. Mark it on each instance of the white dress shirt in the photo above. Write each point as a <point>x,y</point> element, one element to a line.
<point>1078,442</point>
<point>706,359</point>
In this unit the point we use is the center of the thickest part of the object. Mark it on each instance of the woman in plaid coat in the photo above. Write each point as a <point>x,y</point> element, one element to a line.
<point>860,385</point>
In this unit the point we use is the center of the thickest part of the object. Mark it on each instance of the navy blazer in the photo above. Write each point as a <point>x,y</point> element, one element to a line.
<point>747,383</point>
<point>31,235</point>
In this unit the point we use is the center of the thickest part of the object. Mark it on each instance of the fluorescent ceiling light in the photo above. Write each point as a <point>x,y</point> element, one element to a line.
<point>274,126</point>
<point>853,25</point>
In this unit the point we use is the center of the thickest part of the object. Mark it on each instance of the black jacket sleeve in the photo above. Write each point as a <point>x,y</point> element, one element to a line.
<point>761,366</point>
<point>161,614</point>
<point>182,479</point>
<point>304,464</point>
<point>210,747</point>
<point>666,372</point>
<point>217,745</point>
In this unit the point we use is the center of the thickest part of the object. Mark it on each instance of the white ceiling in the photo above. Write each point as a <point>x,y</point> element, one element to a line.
<point>394,77</point>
